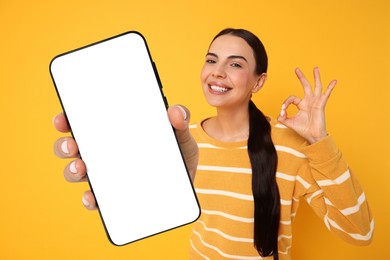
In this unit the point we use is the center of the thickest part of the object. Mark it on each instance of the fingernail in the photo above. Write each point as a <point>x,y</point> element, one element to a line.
<point>85,202</point>
<point>282,112</point>
<point>64,147</point>
<point>183,111</point>
<point>72,167</point>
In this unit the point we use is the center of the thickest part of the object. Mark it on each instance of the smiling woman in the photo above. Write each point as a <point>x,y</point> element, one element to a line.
<point>249,184</point>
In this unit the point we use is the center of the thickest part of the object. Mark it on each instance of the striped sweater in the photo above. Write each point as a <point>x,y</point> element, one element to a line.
<point>316,173</point>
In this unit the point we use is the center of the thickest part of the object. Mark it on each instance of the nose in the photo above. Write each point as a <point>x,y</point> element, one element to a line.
<point>219,71</point>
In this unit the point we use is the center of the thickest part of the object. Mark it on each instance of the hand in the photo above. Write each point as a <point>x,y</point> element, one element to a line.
<point>309,122</point>
<point>75,171</point>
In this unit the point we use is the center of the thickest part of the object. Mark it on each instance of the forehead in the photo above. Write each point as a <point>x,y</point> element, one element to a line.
<point>228,45</point>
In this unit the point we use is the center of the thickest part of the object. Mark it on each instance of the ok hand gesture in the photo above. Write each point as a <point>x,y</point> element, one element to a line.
<point>309,122</point>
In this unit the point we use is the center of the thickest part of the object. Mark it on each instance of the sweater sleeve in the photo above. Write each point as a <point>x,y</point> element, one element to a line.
<point>335,194</point>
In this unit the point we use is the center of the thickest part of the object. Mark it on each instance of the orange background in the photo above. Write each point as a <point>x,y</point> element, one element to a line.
<point>41,215</point>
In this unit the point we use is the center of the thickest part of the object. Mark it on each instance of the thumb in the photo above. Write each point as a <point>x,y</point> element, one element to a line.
<point>179,116</point>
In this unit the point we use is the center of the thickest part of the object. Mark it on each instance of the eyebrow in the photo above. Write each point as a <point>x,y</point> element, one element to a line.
<point>229,57</point>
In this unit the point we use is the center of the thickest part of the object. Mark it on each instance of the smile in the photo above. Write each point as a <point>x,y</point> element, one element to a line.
<point>219,89</point>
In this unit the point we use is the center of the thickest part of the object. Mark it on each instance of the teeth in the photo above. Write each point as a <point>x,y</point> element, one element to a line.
<point>219,89</point>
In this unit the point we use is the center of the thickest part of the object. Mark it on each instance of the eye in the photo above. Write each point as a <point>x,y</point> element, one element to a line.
<point>236,65</point>
<point>211,61</point>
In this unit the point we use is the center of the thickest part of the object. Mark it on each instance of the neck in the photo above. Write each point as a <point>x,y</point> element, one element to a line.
<point>230,125</point>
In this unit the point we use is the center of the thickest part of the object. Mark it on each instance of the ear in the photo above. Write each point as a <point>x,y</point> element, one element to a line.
<point>259,82</point>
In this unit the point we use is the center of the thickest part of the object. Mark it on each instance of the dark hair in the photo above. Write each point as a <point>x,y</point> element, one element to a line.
<point>263,159</point>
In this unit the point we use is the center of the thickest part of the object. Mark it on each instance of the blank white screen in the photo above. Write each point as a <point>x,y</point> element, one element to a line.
<point>112,100</point>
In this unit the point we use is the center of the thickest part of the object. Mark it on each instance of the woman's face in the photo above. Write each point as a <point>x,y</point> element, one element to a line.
<point>228,74</point>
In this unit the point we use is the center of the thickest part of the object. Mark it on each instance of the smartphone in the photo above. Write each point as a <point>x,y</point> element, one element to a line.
<point>112,97</point>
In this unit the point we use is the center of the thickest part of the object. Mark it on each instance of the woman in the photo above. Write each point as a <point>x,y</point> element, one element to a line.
<point>252,170</point>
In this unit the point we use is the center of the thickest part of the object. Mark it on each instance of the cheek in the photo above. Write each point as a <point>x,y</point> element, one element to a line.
<point>203,74</point>
<point>240,78</point>
<point>203,79</point>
